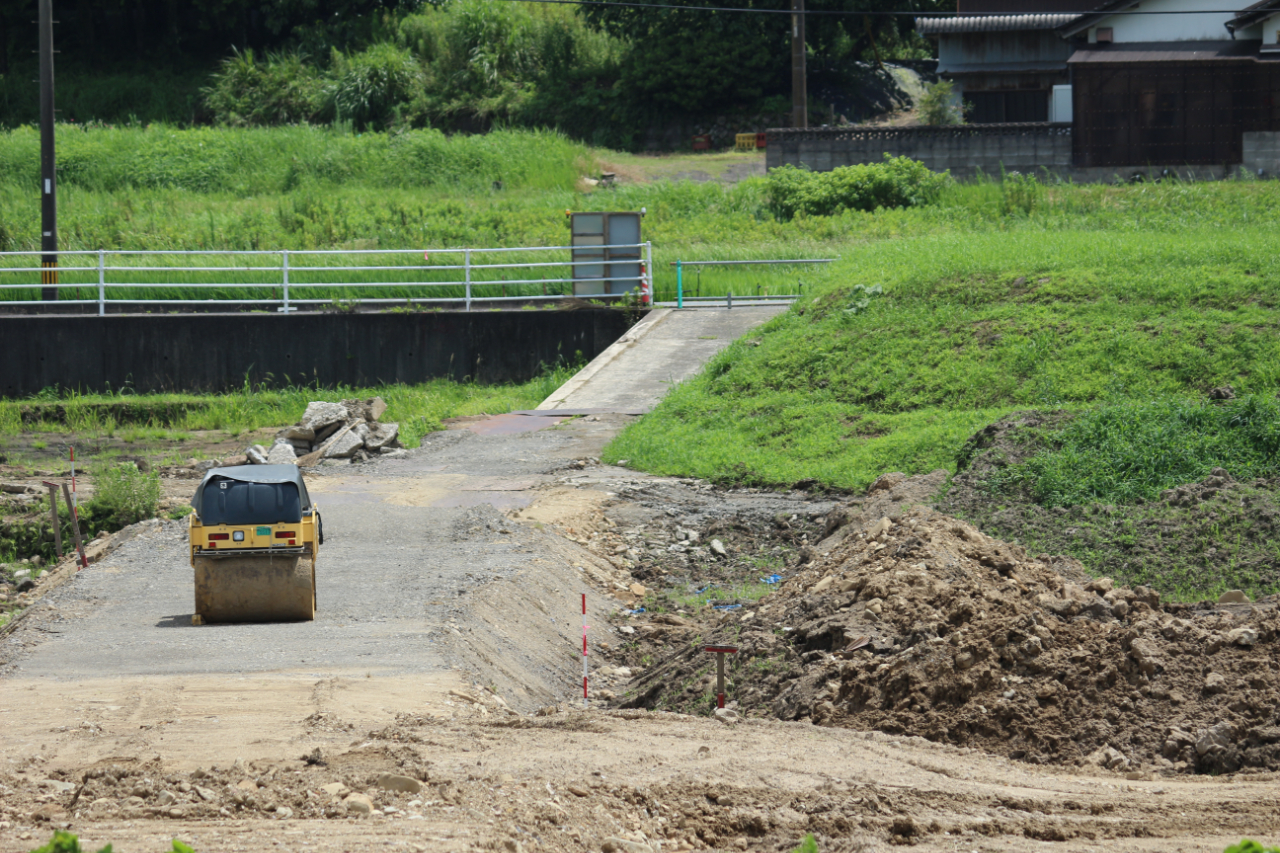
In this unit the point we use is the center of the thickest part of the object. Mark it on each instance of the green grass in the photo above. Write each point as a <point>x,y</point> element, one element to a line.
<point>419,409</point>
<point>1103,294</point>
<point>744,593</point>
<point>252,161</point>
<point>1129,452</point>
<point>308,188</point>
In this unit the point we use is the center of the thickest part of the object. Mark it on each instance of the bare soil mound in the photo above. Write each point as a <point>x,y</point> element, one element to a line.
<point>922,625</point>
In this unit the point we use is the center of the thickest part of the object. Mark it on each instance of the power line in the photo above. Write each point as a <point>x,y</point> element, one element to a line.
<point>878,13</point>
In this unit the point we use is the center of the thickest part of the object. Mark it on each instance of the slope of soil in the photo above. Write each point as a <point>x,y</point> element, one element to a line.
<point>1198,539</point>
<point>922,625</point>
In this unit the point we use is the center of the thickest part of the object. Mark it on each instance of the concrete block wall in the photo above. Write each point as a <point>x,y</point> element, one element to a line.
<point>965,150</point>
<point>1261,150</point>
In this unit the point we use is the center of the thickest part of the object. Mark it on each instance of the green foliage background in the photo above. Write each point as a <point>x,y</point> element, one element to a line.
<point>604,75</point>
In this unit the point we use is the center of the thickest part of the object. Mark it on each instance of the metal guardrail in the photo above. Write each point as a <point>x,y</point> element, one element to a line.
<point>681,299</point>
<point>288,274</point>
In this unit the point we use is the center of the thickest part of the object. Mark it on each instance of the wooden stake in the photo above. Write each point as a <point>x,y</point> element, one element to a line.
<point>53,512</point>
<point>75,527</point>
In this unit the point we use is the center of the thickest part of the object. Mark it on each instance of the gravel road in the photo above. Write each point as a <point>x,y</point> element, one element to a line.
<point>406,540</point>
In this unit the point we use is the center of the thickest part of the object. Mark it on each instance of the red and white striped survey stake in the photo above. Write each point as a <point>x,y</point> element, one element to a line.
<point>75,509</point>
<point>584,650</point>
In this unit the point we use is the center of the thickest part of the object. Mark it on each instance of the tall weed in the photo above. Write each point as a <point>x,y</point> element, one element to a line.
<point>1019,193</point>
<point>124,495</point>
<point>254,161</point>
<point>897,182</point>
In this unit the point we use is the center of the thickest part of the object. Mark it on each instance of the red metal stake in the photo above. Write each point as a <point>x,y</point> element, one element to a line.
<point>720,652</point>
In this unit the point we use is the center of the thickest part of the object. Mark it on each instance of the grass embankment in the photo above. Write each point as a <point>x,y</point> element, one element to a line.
<point>305,188</point>
<point>1139,299</point>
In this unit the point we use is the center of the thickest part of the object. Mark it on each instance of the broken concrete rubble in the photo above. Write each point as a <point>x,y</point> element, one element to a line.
<point>281,453</point>
<point>346,431</point>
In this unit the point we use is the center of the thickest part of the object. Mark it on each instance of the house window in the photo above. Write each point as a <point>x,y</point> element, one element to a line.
<point>1105,35</point>
<point>1011,106</point>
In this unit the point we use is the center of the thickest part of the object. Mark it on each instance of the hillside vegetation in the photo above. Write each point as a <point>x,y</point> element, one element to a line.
<point>606,75</point>
<point>323,188</point>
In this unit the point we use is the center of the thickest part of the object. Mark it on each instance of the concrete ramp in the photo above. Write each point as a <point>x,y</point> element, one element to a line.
<point>665,348</point>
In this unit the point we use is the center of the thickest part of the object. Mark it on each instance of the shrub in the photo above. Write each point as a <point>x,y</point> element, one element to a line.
<point>1247,846</point>
<point>283,89</point>
<point>1019,193</point>
<point>124,495</point>
<point>373,87</point>
<point>939,106</point>
<point>488,61</point>
<point>897,182</point>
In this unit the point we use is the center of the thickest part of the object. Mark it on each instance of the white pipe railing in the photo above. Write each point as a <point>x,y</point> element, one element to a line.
<point>288,276</point>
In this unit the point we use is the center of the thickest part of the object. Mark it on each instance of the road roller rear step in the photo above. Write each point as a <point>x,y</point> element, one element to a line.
<point>254,539</point>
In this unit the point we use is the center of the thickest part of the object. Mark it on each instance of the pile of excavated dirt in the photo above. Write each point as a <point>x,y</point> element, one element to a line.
<point>921,625</point>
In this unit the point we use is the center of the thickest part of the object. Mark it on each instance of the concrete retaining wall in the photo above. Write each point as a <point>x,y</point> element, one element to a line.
<point>1261,150</point>
<point>989,149</point>
<point>217,352</point>
<point>964,150</point>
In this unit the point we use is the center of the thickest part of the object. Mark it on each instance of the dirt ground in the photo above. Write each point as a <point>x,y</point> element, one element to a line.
<point>727,167</point>
<point>444,779</point>
<point>919,624</point>
<point>910,682</point>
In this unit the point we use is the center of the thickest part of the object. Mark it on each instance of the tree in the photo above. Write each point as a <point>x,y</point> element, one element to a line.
<point>687,60</point>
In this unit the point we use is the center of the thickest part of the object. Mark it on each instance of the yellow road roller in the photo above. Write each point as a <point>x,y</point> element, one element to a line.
<point>255,535</point>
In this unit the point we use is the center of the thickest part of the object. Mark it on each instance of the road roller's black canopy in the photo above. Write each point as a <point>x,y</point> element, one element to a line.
<point>252,494</point>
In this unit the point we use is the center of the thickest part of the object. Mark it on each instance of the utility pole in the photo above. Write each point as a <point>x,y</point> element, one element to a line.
<point>799,87</point>
<point>48,180</point>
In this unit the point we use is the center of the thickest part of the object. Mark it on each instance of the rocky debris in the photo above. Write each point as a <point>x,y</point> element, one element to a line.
<point>282,453</point>
<point>403,784</point>
<point>1108,757</point>
<point>358,804</point>
<point>919,624</point>
<point>726,715</point>
<point>342,432</point>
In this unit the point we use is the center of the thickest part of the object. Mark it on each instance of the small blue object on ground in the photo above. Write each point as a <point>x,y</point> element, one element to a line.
<point>726,606</point>
<point>634,612</point>
<point>771,579</point>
